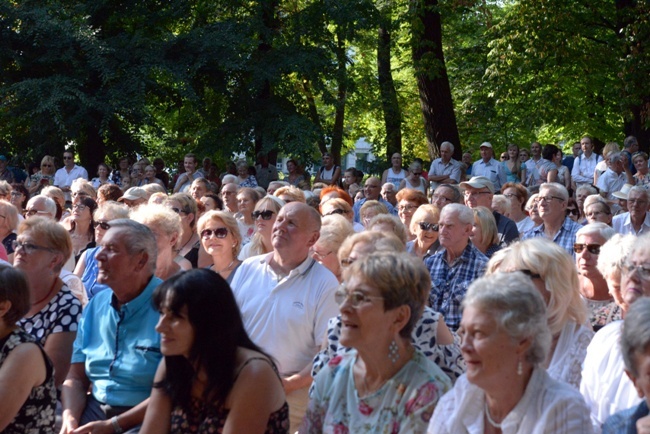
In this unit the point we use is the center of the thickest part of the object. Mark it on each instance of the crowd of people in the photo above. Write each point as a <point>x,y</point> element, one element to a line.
<point>485,297</point>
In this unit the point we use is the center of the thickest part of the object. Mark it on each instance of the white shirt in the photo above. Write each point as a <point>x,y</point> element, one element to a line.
<point>492,170</point>
<point>547,406</point>
<point>583,169</point>
<point>64,179</point>
<point>286,316</point>
<point>605,386</point>
<point>569,354</point>
<point>611,182</point>
<point>622,224</point>
<point>438,168</point>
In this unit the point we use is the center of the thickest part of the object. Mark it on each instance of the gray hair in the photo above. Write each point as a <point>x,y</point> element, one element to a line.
<point>586,187</point>
<point>464,213</point>
<point>517,307</point>
<point>556,188</point>
<point>229,179</point>
<point>629,141</point>
<point>448,144</point>
<point>635,336</point>
<point>614,157</point>
<point>597,228</point>
<point>50,205</point>
<point>614,252</point>
<point>458,195</point>
<point>639,189</point>
<point>141,239</point>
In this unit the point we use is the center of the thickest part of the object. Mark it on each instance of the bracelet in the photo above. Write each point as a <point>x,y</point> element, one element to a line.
<point>116,426</point>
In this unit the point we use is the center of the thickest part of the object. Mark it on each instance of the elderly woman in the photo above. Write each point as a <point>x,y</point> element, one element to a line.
<point>8,224</point>
<point>414,179</point>
<point>220,238</point>
<point>613,254</point>
<point>166,226</point>
<point>370,209</point>
<point>604,387</point>
<point>593,286</point>
<point>635,347</point>
<point>446,194</point>
<point>501,204</point>
<point>597,209</point>
<point>290,194</point>
<point>641,177</point>
<point>82,188</point>
<point>518,196</point>
<point>246,200</point>
<point>43,178</point>
<point>244,179</point>
<point>506,340</point>
<point>189,244</point>
<point>212,202</point>
<point>150,177</point>
<point>343,208</point>
<point>485,235</point>
<point>335,229</point>
<point>533,210</point>
<point>424,225</point>
<point>266,211</point>
<point>108,192</point>
<point>28,393</point>
<point>57,195</point>
<point>408,200</point>
<point>103,172</point>
<point>388,223</point>
<point>384,381</point>
<point>41,249</point>
<point>556,278</point>
<point>87,266</point>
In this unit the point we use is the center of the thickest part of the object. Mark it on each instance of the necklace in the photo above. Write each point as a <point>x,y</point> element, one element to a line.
<point>489,418</point>
<point>186,242</point>
<point>225,269</point>
<point>48,294</point>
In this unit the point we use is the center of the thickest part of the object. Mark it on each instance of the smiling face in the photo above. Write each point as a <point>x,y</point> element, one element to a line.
<point>215,246</point>
<point>426,237</point>
<point>39,261</point>
<point>189,164</point>
<point>361,326</point>
<point>176,332</point>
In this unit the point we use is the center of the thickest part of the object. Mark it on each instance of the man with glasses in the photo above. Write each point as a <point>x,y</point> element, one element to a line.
<point>445,170</point>
<point>456,264</point>
<point>42,206</point>
<point>637,220</point>
<point>69,172</point>
<point>286,299</point>
<point>556,225</point>
<point>479,191</point>
<point>229,197</point>
<point>446,194</point>
<point>372,191</point>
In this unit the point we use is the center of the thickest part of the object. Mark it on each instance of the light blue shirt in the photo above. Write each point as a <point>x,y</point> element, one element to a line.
<point>119,348</point>
<point>357,208</point>
<point>492,170</point>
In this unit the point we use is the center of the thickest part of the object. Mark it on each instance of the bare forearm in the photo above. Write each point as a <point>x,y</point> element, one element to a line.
<point>73,399</point>
<point>298,381</point>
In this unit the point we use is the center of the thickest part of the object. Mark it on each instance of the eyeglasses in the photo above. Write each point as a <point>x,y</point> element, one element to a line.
<point>573,211</point>
<point>436,197</point>
<point>644,270</point>
<point>355,297</point>
<point>219,233</point>
<point>639,201</point>
<point>428,226</point>
<point>547,199</point>
<point>468,193</point>
<point>417,173</point>
<point>79,193</point>
<point>178,210</point>
<point>320,256</point>
<point>346,262</point>
<point>407,208</point>
<point>46,165</point>
<point>266,215</point>
<point>32,212</point>
<point>16,193</point>
<point>337,211</point>
<point>102,225</point>
<point>594,249</point>
<point>79,206</point>
<point>28,248</point>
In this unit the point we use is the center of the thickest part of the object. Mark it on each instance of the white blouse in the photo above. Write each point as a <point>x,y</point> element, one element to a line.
<point>569,354</point>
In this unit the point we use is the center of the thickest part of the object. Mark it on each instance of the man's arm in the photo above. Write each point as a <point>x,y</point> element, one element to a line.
<point>577,176</point>
<point>298,381</point>
<point>73,397</point>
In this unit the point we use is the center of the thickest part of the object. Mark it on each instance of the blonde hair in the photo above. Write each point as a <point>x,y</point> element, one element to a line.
<point>423,212</point>
<point>398,227</point>
<point>294,193</point>
<point>334,230</point>
<point>49,159</point>
<point>54,193</point>
<point>152,188</point>
<point>81,184</point>
<point>112,211</point>
<point>228,221</point>
<point>379,241</point>
<point>372,205</point>
<point>257,241</point>
<point>158,215</point>
<point>50,233</point>
<point>485,219</point>
<point>557,268</point>
<point>11,214</point>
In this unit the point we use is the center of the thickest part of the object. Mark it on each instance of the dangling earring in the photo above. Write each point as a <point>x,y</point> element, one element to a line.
<point>520,368</point>
<point>393,352</point>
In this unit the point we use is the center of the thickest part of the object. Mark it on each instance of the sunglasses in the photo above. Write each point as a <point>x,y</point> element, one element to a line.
<point>428,226</point>
<point>266,215</point>
<point>572,211</point>
<point>594,249</point>
<point>178,210</point>
<point>103,225</point>
<point>219,233</point>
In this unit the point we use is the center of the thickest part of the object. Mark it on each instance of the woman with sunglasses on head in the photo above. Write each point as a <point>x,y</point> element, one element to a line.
<point>44,177</point>
<point>220,238</point>
<point>414,180</point>
<point>342,208</point>
<point>266,211</point>
<point>87,266</point>
<point>424,224</point>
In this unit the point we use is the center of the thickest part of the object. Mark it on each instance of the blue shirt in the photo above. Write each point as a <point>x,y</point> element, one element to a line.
<point>357,208</point>
<point>89,276</point>
<point>624,422</point>
<point>565,237</point>
<point>449,282</point>
<point>492,170</point>
<point>119,348</point>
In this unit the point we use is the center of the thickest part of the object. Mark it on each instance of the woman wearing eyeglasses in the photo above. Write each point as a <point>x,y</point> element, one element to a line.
<point>334,230</point>
<point>555,276</point>
<point>424,224</point>
<point>45,176</point>
<point>384,381</point>
<point>414,180</point>
<point>220,237</point>
<point>266,211</point>
<point>408,200</point>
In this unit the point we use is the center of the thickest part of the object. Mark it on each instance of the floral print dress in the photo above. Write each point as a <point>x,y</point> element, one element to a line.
<point>404,404</point>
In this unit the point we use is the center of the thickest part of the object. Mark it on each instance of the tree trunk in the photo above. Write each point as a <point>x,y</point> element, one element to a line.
<point>389,103</point>
<point>433,83</point>
<point>341,99</point>
<point>313,115</point>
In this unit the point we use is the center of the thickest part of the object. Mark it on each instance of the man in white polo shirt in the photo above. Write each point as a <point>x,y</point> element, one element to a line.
<point>637,220</point>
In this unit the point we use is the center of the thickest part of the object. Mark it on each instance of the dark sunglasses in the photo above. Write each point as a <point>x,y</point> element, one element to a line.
<point>102,225</point>
<point>572,211</point>
<point>428,226</point>
<point>266,215</point>
<point>219,233</point>
<point>530,274</point>
<point>594,249</point>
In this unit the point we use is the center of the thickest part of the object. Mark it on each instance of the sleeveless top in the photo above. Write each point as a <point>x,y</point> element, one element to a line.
<point>511,177</point>
<point>395,178</point>
<point>205,418</point>
<point>326,175</point>
<point>36,416</point>
<point>422,187</point>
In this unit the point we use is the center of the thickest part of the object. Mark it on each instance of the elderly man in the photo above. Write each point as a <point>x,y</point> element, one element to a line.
<point>457,264</point>
<point>42,206</point>
<point>117,349</point>
<point>585,165</point>
<point>490,168</point>
<point>229,197</point>
<point>630,147</point>
<point>479,191</point>
<point>445,170</point>
<point>637,220</point>
<point>134,197</point>
<point>556,226</point>
<point>371,190</point>
<point>286,299</point>
<point>69,172</point>
<point>388,193</point>
<point>614,177</point>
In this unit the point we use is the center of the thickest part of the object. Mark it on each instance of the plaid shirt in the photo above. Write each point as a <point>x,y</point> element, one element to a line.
<point>624,422</point>
<point>449,282</point>
<point>565,237</point>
